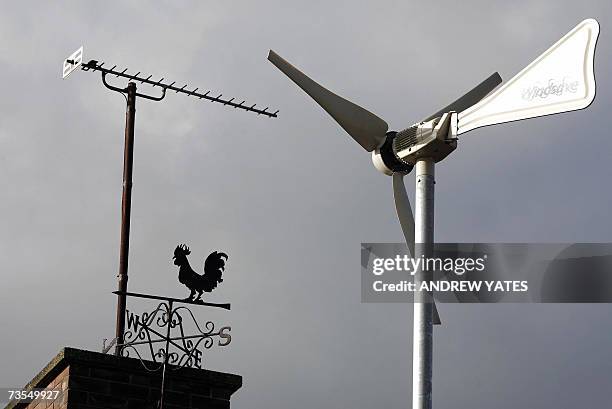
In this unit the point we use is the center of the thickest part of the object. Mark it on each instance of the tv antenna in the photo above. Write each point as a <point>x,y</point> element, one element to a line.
<point>559,80</point>
<point>75,61</point>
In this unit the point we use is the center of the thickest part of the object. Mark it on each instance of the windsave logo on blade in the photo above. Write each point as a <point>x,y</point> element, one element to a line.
<point>553,88</point>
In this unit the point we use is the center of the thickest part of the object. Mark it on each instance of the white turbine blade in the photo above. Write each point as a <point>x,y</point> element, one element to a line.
<point>436,315</point>
<point>364,127</point>
<point>404,210</point>
<point>559,80</point>
<point>471,97</point>
<point>365,256</point>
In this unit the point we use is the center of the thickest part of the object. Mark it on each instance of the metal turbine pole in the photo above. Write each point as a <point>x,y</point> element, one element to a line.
<point>422,354</point>
<point>126,207</point>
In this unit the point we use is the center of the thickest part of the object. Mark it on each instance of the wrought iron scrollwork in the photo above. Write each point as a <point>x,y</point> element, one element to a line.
<point>162,334</point>
<point>160,337</point>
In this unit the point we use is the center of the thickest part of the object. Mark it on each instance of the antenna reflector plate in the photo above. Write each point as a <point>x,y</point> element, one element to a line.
<point>73,62</point>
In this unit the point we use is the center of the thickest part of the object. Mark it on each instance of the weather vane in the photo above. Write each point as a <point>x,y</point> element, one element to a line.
<point>170,336</point>
<point>75,61</point>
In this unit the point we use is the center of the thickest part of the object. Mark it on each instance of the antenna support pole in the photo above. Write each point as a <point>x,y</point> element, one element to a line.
<point>422,354</point>
<point>131,95</point>
<point>126,208</point>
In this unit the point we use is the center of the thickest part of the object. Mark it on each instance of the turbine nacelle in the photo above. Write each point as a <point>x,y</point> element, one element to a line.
<point>435,139</point>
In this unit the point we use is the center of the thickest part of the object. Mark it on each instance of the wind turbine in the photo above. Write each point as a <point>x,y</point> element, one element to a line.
<point>559,80</point>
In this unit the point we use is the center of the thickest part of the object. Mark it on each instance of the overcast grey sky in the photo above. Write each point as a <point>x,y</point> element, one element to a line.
<point>291,199</point>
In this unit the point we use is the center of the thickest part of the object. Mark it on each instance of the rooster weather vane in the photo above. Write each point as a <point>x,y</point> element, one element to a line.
<point>214,265</point>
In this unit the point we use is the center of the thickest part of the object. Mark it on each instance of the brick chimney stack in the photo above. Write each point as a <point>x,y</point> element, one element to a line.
<point>91,380</point>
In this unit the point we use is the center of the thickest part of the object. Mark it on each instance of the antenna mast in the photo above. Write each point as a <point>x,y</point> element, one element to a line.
<point>71,64</point>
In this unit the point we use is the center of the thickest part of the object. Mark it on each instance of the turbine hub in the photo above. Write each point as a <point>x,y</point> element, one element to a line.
<point>385,159</point>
